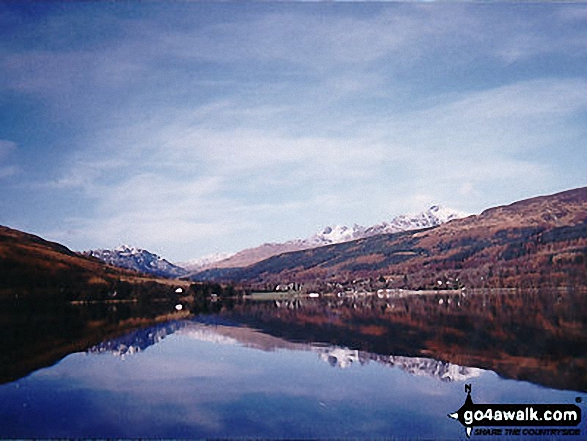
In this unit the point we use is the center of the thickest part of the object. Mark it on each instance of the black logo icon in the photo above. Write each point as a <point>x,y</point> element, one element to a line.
<point>472,415</point>
<point>468,406</point>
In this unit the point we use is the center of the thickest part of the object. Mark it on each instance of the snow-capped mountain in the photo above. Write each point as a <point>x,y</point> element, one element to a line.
<point>204,261</point>
<point>419,366</point>
<point>432,217</point>
<point>429,367</point>
<point>333,234</point>
<point>144,261</point>
<point>138,260</point>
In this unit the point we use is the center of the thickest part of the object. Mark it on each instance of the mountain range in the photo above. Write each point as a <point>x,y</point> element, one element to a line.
<point>333,234</point>
<point>540,241</point>
<point>144,261</point>
<point>534,242</point>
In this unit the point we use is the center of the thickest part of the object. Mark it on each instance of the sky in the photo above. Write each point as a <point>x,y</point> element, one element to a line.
<point>190,128</point>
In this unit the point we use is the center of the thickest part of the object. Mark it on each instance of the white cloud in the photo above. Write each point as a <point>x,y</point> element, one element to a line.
<point>8,171</point>
<point>7,149</point>
<point>572,14</point>
<point>275,122</point>
<point>179,182</point>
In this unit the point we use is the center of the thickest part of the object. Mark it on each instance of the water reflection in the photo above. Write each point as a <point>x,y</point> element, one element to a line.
<point>137,341</point>
<point>36,334</point>
<point>526,335</point>
<point>188,379</point>
<point>338,357</point>
<point>302,368</point>
<point>533,336</point>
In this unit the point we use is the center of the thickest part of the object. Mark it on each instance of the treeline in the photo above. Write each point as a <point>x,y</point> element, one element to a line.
<point>71,286</point>
<point>208,297</point>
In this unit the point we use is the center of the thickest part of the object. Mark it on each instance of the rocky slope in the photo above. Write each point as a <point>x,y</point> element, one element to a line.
<point>137,259</point>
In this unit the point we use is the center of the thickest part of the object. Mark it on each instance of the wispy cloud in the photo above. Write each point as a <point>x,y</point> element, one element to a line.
<point>193,128</point>
<point>204,183</point>
<point>7,149</point>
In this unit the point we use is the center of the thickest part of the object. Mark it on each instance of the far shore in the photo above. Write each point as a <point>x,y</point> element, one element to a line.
<point>390,293</point>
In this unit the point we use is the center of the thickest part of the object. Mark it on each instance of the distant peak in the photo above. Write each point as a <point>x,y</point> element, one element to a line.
<point>330,234</point>
<point>124,248</point>
<point>204,261</point>
<point>138,259</point>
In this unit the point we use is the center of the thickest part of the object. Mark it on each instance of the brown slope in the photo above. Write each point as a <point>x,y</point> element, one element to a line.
<point>30,262</point>
<point>557,210</point>
<point>253,255</point>
<point>433,216</point>
<point>33,267</point>
<point>42,284</point>
<point>533,242</point>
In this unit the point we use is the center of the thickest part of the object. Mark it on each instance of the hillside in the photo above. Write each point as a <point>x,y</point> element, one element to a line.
<point>534,242</point>
<point>334,234</point>
<point>31,267</point>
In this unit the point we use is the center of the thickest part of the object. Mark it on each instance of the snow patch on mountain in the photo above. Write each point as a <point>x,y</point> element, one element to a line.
<point>334,234</point>
<point>432,217</point>
<point>137,259</point>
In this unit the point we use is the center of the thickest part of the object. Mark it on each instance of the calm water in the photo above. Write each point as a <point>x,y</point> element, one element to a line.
<point>318,369</point>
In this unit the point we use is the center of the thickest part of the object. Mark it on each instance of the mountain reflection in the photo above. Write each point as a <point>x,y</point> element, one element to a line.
<point>536,336</point>
<point>339,357</point>
<point>539,337</point>
<point>37,334</point>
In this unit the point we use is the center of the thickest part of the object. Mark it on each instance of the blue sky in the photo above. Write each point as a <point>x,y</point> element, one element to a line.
<point>193,128</point>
